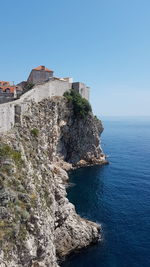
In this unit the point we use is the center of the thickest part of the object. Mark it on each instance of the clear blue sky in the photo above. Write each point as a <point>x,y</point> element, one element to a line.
<point>104,43</point>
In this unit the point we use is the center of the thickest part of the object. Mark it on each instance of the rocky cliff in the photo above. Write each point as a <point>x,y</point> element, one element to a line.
<point>38,225</point>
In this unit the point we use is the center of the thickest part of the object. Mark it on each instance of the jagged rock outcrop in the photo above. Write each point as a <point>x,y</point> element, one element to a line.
<point>38,225</point>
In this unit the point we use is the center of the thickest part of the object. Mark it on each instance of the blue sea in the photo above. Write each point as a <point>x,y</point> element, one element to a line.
<point>117,196</point>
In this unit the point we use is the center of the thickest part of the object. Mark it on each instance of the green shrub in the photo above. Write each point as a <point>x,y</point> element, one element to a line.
<point>16,156</point>
<point>81,106</point>
<point>29,86</point>
<point>7,152</point>
<point>22,232</point>
<point>35,132</point>
<point>96,118</point>
<point>68,95</point>
<point>25,215</point>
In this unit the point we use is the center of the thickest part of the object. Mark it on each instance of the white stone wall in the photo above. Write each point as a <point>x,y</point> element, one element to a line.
<point>38,93</point>
<point>6,116</point>
<point>85,92</point>
<point>82,89</point>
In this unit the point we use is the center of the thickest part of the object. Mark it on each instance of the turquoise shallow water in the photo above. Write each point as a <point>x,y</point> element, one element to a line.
<point>117,196</point>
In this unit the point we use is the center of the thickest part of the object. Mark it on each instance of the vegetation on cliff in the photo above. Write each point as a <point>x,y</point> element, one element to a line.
<point>28,86</point>
<point>81,106</point>
<point>35,132</point>
<point>7,152</point>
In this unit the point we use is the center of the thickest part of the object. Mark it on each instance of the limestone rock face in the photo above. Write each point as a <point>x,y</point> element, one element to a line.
<point>38,225</point>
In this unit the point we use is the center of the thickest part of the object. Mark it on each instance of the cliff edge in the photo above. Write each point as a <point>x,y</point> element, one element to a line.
<point>38,225</point>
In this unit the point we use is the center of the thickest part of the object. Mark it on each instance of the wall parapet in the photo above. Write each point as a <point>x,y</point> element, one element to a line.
<point>13,111</point>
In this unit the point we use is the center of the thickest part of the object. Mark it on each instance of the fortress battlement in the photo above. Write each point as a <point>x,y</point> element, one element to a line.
<point>13,111</point>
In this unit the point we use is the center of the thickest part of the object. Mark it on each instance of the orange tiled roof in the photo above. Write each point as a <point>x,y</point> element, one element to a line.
<point>42,68</point>
<point>11,88</point>
<point>6,85</point>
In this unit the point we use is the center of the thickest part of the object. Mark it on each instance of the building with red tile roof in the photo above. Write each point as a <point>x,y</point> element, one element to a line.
<point>6,87</point>
<point>42,68</point>
<point>40,74</point>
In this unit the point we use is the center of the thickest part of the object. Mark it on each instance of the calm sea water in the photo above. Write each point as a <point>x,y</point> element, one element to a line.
<point>118,197</point>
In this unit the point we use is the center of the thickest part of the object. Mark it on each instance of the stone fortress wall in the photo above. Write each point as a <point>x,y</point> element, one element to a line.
<point>11,111</point>
<point>82,89</point>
